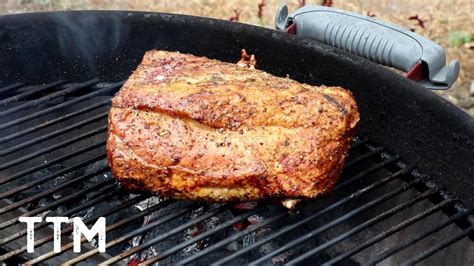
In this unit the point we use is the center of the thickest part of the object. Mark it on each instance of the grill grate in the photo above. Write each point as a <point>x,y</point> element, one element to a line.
<point>52,163</point>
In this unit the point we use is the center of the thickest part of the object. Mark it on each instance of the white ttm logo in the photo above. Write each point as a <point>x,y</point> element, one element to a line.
<point>79,228</point>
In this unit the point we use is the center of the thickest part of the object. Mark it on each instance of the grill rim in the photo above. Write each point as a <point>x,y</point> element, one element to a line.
<point>437,136</point>
<point>388,161</point>
<point>423,109</point>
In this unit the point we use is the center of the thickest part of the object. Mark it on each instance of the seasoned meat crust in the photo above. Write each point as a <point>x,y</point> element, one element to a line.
<point>189,127</point>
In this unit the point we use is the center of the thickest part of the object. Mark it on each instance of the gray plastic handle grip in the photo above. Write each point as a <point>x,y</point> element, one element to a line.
<point>376,40</point>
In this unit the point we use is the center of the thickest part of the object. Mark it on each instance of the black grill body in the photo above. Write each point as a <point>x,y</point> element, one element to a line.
<point>405,195</point>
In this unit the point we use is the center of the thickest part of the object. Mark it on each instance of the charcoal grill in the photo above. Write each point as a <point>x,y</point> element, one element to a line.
<point>405,195</point>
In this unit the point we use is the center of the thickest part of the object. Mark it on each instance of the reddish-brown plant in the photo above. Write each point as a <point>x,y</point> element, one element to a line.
<point>326,3</point>
<point>370,14</point>
<point>236,15</point>
<point>420,22</point>
<point>260,9</point>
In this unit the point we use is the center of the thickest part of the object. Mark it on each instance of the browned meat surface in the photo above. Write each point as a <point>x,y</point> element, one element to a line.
<point>193,128</point>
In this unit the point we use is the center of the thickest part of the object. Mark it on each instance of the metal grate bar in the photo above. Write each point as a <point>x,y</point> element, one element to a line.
<point>107,191</point>
<point>233,238</point>
<point>51,162</point>
<point>363,226</point>
<point>157,239</point>
<point>131,234</point>
<point>31,92</point>
<point>367,171</point>
<point>357,141</point>
<point>413,240</point>
<point>109,228</point>
<point>440,246</point>
<point>11,87</point>
<point>143,213</point>
<point>364,156</point>
<point>70,228</point>
<point>391,231</point>
<point>317,214</point>
<point>53,147</point>
<point>110,187</point>
<point>53,121</point>
<point>51,176</point>
<point>61,105</point>
<point>56,203</point>
<point>52,190</point>
<point>202,236</point>
<point>334,222</point>
<point>51,96</point>
<point>53,134</point>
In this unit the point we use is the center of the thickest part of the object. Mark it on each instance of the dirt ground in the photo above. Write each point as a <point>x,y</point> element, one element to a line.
<point>448,22</point>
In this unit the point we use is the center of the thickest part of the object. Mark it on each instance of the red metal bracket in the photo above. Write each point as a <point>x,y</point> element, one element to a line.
<point>291,29</point>
<point>417,73</point>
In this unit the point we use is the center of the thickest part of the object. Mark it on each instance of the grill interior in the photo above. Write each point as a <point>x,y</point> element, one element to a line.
<point>53,163</point>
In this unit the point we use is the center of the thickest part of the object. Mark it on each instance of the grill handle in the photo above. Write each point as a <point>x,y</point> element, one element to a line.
<point>423,60</point>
